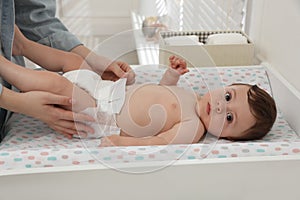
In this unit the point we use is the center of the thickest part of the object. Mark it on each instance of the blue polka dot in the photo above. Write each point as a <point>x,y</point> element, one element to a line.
<point>107,158</point>
<point>4,154</point>
<point>139,158</point>
<point>78,152</point>
<point>28,166</point>
<point>260,150</point>
<point>163,151</point>
<point>94,152</point>
<point>179,151</point>
<point>52,158</point>
<point>222,156</point>
<point>18,159</point>
<point>191,157</point>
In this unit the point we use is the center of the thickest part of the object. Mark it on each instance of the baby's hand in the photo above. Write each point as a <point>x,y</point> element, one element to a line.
<point>178,64</point>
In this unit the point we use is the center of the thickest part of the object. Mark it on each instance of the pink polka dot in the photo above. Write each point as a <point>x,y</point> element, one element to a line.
<point>91,161</point>
<point>151,156</point>
<point>296,150</point>
<point>277,149</point>
<point>2,162</point>
<point>24,152</point>
<point>38,162</point>
<point>76,162</point>
<point>31,157</point>
<point>48,165</point>
<point>44,153</point>
<point>215,152</point>
<point>112,151</point>
<point>120,157</point>
<point>196,150</point>
<point>64,156</point>
<point>234,155</point>
<point>264,145</point>
<point>131,152</point>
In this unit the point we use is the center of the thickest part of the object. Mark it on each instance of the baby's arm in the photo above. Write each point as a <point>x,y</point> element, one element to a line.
<point>185,132</point>
<point>177,67</point>
<point>47,57</point>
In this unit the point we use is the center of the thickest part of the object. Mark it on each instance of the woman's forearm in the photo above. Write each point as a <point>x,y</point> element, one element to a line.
<point>10,100</point>
<point>92,59</point>
<point>50,58</point>
<point>31,80</point>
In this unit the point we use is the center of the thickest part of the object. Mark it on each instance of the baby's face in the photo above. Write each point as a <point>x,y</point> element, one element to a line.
<point>225,112</point>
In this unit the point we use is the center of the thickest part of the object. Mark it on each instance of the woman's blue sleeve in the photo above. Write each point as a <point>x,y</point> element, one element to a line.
<point>36,19</point>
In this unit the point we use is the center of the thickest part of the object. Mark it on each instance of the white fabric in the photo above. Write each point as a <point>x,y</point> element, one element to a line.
<point>226,38</point>
<point>183,40</point>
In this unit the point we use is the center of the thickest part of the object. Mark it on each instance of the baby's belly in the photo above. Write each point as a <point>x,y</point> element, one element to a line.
<point>148,110</point>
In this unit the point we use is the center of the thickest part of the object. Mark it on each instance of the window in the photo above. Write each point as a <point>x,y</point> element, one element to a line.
<point>202,14</point>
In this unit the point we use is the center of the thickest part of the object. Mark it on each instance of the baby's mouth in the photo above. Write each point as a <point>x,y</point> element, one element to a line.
<point>208,108</point>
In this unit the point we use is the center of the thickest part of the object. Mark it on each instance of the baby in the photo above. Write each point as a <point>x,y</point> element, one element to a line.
<point>151,114</point>
<point>164,113</point>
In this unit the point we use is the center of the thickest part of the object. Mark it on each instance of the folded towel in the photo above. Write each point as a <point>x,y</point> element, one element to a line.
<point>227,38</point>
<point>183,40</point>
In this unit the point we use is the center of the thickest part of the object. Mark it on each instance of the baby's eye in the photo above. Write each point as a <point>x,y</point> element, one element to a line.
<point>227,96</point>
<point>229,117</point>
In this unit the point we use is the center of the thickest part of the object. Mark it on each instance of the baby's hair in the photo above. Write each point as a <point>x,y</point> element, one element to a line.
<point>263,108</point>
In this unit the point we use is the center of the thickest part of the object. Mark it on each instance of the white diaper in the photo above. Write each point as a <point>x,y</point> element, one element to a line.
<point>110,97</point>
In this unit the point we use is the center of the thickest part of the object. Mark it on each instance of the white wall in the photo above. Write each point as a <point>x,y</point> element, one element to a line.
<point>275,30</point>
<point>96,17</point>
<point>97,22</point>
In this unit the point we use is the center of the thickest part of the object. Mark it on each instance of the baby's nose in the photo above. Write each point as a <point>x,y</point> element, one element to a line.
<point>220,107</point>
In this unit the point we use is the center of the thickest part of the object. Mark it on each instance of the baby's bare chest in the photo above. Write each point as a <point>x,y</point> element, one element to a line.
<point>156,107</point>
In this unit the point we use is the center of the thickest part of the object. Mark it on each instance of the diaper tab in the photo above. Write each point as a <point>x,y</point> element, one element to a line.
<point>112,97</point>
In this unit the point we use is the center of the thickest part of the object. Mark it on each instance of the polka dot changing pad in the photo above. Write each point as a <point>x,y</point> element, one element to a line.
<point>31,144</point>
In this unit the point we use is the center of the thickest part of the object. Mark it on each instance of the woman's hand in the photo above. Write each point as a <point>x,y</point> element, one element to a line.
<point>45,107</point>
<point>107,69</point>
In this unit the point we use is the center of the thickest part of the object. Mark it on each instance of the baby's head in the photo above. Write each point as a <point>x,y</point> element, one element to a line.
<point>238,112</point>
